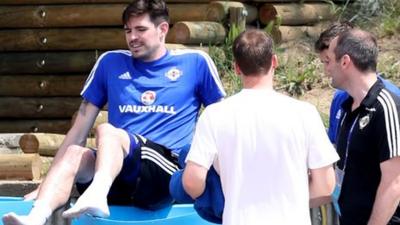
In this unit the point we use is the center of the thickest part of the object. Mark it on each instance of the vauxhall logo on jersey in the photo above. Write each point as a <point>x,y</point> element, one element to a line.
<point>147,98</point>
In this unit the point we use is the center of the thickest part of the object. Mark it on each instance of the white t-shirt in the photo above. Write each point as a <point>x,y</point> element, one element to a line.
<point>262,144</point>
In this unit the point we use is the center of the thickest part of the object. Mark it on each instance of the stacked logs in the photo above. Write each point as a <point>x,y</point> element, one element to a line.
<point>38,150</point>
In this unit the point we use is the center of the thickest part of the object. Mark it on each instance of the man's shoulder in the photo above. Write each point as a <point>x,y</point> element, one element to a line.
<point>115,54</point>
<point>340,95</point>
<point>390,86</point>
<point>187,54</point>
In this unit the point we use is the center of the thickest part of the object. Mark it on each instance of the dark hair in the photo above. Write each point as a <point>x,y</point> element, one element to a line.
<point>362,48</point>
<point>156,9</point>
<point>330,33</point>
<point>253,50</point>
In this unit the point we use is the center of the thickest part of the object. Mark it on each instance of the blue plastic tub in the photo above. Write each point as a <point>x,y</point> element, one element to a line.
<point>14,204</point>
<point>129,215</point>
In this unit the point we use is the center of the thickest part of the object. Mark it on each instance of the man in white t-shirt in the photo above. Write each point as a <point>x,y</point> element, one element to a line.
<point>271,151</point>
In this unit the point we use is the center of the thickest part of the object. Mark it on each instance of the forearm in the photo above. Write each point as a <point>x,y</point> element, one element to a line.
<point>321,184</point>
<point>73,137</point>
<point>79,131</point>
<point>194,179</point>
<point>386,202</point>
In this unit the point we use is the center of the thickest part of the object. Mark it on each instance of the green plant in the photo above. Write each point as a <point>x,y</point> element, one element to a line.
<point>223,58</point>
<point>297,77</point>
<point>383,14</point>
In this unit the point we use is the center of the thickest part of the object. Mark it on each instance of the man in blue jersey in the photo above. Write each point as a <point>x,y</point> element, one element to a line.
<point>153,97</point>
<point>321,47</point>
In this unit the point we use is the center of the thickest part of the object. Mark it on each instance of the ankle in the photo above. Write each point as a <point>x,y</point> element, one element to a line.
<point>41,209</point>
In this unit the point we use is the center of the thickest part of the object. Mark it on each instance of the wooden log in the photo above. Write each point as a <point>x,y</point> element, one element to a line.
<point>219,10</point>
<point>187,12</point>
<point>41,85</point>
<point>60,126</point>
<point>58,62</point>
<point>61,15</point>
<point>46,144</point>
<point>20,166</point>
<point>47,62</point>
<point>25,2</point>
<point>52,107</point>
<point>41,143</point>
<point>81,15</point>
<point>61,39</point>
<point>296,14</point>
<point>186,32</point>
<point>32,2</point>
<point>291,33</point>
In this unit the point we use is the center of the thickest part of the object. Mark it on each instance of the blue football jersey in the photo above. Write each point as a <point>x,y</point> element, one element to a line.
<point>159,100</point>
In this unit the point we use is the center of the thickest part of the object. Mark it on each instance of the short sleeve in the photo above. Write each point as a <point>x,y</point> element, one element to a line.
<point>321,152</point>
<point>209,86</point>
<point>95,88</point>
<point>387,127</point>
<point>203,150</point>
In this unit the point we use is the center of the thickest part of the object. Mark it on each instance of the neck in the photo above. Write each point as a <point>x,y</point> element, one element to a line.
<point>261,81</point>
<point>359,87</point>
<point>160,52</point>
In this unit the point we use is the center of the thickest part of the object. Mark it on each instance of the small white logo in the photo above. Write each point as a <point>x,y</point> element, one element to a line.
<point>364,122</point>
<point>125,76</point>
<point>148,97</point>
<point>338,114</point>
<point>173,74</point>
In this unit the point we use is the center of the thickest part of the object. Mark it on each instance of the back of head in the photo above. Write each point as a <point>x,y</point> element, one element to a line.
<point>329,34</point>
<point>253,51</point>
<point>362,48</point>
<point>156,9</point>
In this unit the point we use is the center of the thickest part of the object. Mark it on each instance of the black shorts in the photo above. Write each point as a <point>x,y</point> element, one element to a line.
<point>144,177</point>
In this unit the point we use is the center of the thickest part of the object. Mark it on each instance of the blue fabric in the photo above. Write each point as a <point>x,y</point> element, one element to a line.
<point>336,110</point>
<point>210,205</point>
<point>159,100</point>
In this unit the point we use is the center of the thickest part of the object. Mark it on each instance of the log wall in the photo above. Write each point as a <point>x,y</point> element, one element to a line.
<point>48,47</point>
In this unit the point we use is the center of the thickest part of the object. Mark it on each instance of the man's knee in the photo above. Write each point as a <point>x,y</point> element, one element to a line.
<point>105,129</point>
<point>76,155</point>
<point>80,161</point>
<point>107,132</point>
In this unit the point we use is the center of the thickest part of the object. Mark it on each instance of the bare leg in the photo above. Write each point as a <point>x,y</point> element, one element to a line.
<point>113,146</point>
<point>77,162</point>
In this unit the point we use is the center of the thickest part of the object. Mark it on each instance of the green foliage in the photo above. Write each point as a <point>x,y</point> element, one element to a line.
<point>384,14</point>
<point>296,77</point>
<point>223,58</point>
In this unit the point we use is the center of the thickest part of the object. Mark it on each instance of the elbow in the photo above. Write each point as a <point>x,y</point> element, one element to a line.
<point>190,188</point>
<point>193,186</point>
<point>393,188</point>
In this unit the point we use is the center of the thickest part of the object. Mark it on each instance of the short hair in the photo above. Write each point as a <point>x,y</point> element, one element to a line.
<point>362,48</point>
<point>157,10</point>
<point>252,51</point>
<point>330,33</point>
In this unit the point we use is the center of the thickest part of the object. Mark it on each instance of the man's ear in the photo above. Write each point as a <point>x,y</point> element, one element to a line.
<point>163,27</point>
<point>345,61</point>
<point>237,69</point>
<point>274,62</point>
